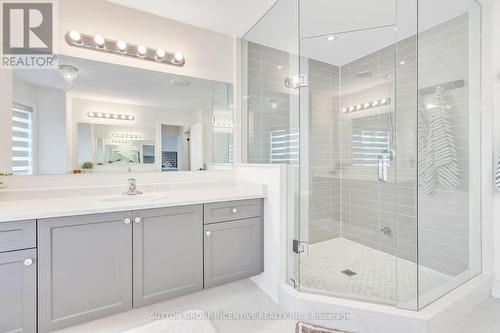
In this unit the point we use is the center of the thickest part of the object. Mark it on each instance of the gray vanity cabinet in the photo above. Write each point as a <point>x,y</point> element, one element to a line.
<point>85,268</point>
<point>18,291</point>
<point>167,253</point>
<point>233,251</point>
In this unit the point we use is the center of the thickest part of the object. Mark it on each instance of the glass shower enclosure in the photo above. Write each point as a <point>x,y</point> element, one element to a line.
<point>375,108</point>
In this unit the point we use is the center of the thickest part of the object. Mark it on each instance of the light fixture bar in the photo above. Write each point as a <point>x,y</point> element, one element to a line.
<point>368,105</point>
<point>126,136</point>
<point>120,47</point>
<point>111,116</point>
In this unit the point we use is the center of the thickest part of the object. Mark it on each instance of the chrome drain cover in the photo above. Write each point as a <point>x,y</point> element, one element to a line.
<point>348,272</point>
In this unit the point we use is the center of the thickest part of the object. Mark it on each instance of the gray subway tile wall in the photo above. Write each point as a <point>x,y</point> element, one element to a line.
<point>346,200</point>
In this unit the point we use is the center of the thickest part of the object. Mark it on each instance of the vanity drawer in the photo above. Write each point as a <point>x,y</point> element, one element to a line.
<point>232,210</point>
<point>17,235</point>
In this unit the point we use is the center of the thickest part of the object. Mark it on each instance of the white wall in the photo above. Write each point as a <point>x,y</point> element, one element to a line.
<point>51,131</point>
<point>209,55</point>
<point>492,12</point>
<point>5,120</point>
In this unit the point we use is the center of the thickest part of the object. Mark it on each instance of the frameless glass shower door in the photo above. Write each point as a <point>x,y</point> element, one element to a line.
<point>376,112</point>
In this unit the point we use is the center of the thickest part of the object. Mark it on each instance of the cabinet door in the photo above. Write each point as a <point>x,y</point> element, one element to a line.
<point>18,291</point>
<point>233,251</point>
<point>168,253</point>
<point>85,268</point>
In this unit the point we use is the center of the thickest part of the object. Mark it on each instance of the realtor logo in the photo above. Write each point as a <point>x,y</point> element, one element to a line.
<point>27,34</point>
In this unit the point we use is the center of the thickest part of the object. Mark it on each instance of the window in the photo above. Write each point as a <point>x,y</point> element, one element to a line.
<point>285,146</point>
<point>367,146</point>
<point>22,140</point>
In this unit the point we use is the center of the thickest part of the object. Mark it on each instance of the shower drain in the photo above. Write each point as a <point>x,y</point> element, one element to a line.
<point>348,272</point>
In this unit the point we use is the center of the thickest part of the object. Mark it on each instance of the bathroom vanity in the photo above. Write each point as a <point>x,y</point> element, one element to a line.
<point>82,267</point>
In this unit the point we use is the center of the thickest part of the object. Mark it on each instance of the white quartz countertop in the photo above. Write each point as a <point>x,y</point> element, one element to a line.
<point>47,203</point>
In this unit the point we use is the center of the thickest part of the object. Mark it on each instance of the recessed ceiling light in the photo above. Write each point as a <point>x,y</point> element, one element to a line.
<point>331,38</point>
<point>280,67</point>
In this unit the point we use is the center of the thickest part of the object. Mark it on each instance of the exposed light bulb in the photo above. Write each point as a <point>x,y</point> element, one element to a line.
<point>178,56</point>
<point>160,53</point>
<point>366,105</point>
<point>374,103</point>
<point>91,114</point>
<point>344,110</point>
<point>383,101</point>
<point>99,40</point>
<point>141,49</point>
<point>75,36</point>
<point>121,45</point>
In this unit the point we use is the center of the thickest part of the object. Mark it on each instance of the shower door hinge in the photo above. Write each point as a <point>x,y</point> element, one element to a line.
<point>297,81</point>
<point>300,247</point>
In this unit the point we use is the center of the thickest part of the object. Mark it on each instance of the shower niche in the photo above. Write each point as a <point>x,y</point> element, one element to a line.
<point>375,110</point>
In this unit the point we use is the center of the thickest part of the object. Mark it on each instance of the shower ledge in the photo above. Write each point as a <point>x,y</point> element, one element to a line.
<point>364,317</point>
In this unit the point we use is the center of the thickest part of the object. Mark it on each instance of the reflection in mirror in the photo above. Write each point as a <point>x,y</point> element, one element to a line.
<point>94,117</point>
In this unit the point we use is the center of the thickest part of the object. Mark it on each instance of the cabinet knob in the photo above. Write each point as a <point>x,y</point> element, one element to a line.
<point>234,211</point>
<point>127,221</point>
<point>28,262</point>
<point>208,233</point>
<point>137,220</point>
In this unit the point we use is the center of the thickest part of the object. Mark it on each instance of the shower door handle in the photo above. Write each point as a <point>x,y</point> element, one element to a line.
<point>383,162</point>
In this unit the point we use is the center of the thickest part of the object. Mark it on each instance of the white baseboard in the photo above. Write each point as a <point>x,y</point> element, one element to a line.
<point>271,290</point>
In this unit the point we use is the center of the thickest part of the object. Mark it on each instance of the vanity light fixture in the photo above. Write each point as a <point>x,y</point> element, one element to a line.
<point>99,40</point>
<point>367,105</point>
<point>121,47</point>
<point>223,125</point>
<point>107,115</point>
<point>141,50</point>
<point>120,142</point>
<point>178,56</point>
<point>160,53</point>
<point>75,36</point>
<point>126,136</point>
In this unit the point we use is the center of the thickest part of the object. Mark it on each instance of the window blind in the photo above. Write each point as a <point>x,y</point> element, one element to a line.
<point>22,140</point>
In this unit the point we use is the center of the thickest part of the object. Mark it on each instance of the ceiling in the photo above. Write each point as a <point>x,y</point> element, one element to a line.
<point>230,17</point>
<point>362,26</point>
<point>129,85</point>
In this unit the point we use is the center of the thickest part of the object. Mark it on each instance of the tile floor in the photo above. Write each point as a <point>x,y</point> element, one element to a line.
<point>244,296</point>
<point>375,277</point>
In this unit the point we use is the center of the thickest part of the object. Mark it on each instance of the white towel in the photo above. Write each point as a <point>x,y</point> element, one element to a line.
<point>497,175</point>
<point>425,171</point>
<point>441,147</point>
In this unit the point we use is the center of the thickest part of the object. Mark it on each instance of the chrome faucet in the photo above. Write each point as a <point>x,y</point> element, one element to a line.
<point>132,187</point>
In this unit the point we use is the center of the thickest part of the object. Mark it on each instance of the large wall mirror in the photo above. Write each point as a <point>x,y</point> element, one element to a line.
<point>94,117</point>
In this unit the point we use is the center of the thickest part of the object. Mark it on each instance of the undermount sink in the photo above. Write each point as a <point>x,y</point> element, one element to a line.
<point>134,198</point>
